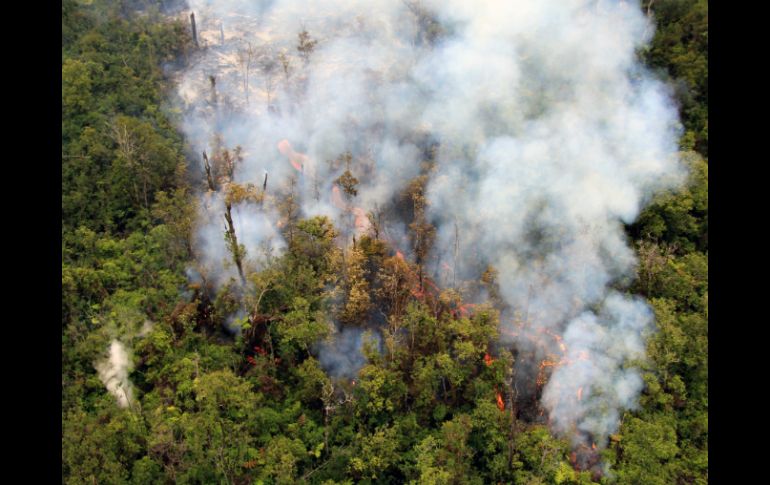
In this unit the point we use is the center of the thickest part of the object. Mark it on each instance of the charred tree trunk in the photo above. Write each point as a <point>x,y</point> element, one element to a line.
<point>213,81</point>
<point>264,191</point>
<point>194,30</point>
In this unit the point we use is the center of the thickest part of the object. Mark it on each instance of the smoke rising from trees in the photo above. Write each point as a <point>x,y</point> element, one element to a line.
<point>113,372</point>
<point>550,137</point>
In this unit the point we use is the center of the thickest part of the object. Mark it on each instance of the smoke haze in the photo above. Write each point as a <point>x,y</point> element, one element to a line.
<point>550,137</point>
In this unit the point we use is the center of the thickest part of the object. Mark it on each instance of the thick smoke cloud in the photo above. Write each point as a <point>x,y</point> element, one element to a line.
<point>550,133</point>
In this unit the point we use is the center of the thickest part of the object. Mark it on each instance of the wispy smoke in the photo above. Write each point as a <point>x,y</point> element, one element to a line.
<point>341,354</point>
<point>113,372</point>
<point>551,135</point>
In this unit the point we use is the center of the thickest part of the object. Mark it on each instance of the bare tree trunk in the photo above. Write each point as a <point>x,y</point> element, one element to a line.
<point>235,249</point>
<point>209,178</point>
<point>649,8</point>
<point>194,30</point>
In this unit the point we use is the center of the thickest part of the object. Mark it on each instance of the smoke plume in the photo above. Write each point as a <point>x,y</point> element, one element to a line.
<point>113,372</point>
<point>550,137</point>
<point>341,354</point>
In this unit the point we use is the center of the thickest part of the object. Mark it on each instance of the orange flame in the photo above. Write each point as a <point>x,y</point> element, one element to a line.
<point>467,309</point>
<point>337,198</point>
<point>547,363</point>
<point>488,359</point>
<point>297,160</point>
<point>500,403</point>
<point>362,222</point>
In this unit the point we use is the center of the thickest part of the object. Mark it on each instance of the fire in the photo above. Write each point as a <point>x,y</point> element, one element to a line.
<point>337,199</point>
<point>297,160</point>
<point>428,284</point>
<point>467,309</point>
<point>500,403</point>
<point>303,164</point>
<point>362,220</point>
<point>584,457</point>
<point>488,359</point>
<point>558,339</point>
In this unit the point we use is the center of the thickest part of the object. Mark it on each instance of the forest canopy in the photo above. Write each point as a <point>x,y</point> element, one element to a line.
<point>287,258</point>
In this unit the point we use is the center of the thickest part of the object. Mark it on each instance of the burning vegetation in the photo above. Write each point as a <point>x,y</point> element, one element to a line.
<point>411,207</point>
<point>383,242</point>
<point>406,206</point>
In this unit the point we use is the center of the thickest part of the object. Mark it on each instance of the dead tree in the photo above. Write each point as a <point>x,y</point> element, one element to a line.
<point>232,241</point>
<point>245,57</point>
<point>194,30</point>
<point>213,81</point>
<point>305,45</point>
<point>209,178</point>
<point>268,65</point>
<point>264,191</point>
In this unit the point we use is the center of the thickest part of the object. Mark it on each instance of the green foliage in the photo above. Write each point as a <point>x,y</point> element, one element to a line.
<point>258,407</point>
<point>118,146</point>
<point>301,328</point>
<point>680,46</point>
<point>680,218</point>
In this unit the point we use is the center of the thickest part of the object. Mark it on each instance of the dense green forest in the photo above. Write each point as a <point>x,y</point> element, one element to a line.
<point>209,407</point>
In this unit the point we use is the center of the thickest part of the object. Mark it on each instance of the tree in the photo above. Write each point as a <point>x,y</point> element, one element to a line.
<point>306,45</point>
<point>358,301</point>
<point>375,453</point>
<point>245,56</point>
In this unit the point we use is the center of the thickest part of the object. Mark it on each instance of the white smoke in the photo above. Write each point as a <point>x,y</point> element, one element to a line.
<point>341,353</point>
<point>551,136</point>
<point>113,372</point>
<point>594,385</point>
